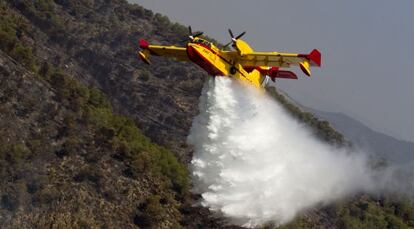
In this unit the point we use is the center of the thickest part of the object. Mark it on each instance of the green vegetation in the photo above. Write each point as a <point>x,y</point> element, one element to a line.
<point>121,135</point>
<point>84,126</point>
<point>367,212</point>
<point>151,212</point>
<point>119,132</point>
<point>12,29</point>
<point>133,146</point>
<point>300,222</point>
<point>43,5</point>
<point>89,107</point>
<point>93,107</point>
<point>44,11</point>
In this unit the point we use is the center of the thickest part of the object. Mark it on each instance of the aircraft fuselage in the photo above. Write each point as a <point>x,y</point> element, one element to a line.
<point>217,63</point>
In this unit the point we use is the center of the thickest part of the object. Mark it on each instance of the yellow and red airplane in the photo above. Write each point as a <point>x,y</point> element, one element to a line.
<point>243,63</point>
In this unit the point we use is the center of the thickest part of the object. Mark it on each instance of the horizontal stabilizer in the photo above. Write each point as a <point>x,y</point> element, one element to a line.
<point>144,56</point>
<point>304,66</point>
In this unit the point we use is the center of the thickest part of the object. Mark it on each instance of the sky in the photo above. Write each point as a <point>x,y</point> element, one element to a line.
<point>367,50</point>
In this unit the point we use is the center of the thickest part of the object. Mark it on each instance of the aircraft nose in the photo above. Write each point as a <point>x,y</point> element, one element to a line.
<point>190,45</point>
<point>191,52</point>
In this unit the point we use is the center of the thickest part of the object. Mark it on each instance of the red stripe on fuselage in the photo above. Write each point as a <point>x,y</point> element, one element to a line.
<point>214,52</point>
<point>203,62</point>
<point>212,65</point>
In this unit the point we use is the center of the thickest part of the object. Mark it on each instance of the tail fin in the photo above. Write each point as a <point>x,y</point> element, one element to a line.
<point>315,57</point>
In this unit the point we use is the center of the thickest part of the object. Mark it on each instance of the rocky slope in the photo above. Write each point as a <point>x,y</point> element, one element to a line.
<point>67,158</point>
<point>68,161</point>
<point>96,41</point>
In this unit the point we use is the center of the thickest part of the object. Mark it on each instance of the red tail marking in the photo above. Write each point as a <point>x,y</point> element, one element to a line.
<point>315,57</point>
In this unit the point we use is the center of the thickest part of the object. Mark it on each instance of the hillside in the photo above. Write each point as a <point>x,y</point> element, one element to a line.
<point>361,136</point>
<point>91,137</point>
<point>390,148</point>
<point>96,42</point>
<point>66,152</point>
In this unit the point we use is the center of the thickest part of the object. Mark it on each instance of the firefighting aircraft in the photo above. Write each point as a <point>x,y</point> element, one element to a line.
<point>243,63</point>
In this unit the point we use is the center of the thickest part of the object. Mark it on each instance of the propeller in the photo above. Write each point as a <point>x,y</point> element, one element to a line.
<point>191,36</point>
<point>234,39</point>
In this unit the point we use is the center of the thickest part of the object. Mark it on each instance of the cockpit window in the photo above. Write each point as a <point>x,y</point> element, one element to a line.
<point>204,42</point>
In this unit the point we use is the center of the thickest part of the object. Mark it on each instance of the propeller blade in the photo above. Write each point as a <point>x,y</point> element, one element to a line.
<point>191,36</point>
<point>234,39</point>
<point>198,34</point>
<point>231,33</point>
<point>227,44</point>
<point>241,34</point>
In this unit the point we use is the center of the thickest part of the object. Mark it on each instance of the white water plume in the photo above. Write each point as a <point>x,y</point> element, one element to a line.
<point>254,163</point>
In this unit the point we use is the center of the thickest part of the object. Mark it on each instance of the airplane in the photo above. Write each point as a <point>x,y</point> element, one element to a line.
<point>243,63</point>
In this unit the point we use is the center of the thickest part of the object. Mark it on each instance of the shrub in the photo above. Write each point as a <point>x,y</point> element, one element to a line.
<point>88,173</point>
<point>14,153</point>
<point>43,5</point>
<point>151,213</point>
<point>71,144</point>
<point>46,196</point>
<point>97,99</point>
<point>11,28</point>
<point>145,75</point>
<point>24,55</point>
<point>8,39</point>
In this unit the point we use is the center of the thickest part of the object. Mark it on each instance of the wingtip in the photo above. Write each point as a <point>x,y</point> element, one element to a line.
<point>304,66</point>
<point>143,44</point>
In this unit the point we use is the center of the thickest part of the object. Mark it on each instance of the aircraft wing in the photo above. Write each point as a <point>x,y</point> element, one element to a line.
<point>179,53</point>
<point>276,59</point>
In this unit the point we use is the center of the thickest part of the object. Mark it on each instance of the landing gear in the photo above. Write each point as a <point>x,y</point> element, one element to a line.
<point>233,70</point>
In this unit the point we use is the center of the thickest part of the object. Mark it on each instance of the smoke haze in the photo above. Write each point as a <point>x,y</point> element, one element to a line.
<point>254,163</point>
